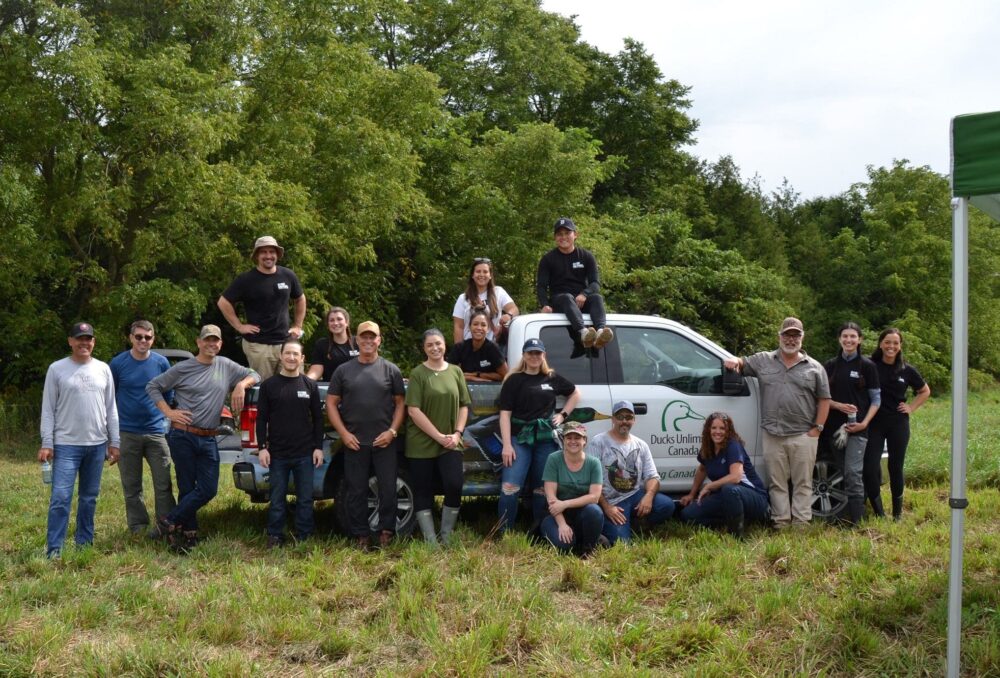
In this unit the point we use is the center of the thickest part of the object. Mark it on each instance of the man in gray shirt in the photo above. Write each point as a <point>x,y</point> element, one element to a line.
<point>795,400</point>
<point>365,403</point>
<point>200,385</point>
<point>79,430</point>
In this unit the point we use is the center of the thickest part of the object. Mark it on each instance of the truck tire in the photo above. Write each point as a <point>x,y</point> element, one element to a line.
<point>829,496</point>
<point>405,517</point>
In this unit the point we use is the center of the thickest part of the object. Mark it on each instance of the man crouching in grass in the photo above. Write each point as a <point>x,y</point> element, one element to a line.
<point>290,437</point>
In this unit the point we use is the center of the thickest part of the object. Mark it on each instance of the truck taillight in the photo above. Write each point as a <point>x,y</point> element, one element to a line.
<point>248,427</point>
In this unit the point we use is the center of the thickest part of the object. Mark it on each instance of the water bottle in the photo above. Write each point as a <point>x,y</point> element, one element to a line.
<point>852,418</point>
<point>47,472</point>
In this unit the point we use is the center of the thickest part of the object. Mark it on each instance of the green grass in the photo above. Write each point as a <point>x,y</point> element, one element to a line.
<point>683,602</point>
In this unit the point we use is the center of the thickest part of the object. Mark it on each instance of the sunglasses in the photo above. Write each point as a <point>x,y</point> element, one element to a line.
<point>482,260</point>
<point>143,337</point>
<point>719,415</point>
<point>624,417</point>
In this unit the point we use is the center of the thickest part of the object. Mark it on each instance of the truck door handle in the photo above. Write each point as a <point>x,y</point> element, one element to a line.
<point>640,408</point>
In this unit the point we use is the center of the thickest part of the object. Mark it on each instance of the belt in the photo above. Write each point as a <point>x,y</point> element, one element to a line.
<point>207,432</point>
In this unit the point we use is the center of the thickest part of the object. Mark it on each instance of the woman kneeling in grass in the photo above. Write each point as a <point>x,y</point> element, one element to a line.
<point>573,484</point>
<point>735,494</point>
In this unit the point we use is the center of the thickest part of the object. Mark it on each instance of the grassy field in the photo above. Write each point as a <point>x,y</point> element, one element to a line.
<point>683,602</point>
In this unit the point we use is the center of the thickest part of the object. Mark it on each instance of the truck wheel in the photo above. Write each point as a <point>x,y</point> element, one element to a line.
<point>405,518</point>
<point>829,497</point>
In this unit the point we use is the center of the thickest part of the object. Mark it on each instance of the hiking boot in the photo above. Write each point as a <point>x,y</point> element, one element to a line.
<point>274,541</point>
<point>363,543</point>
<point>169,532</point>
<point>604,337</point>
<point>384,538</point>
<point>588,335</point>
<point>188,541</point>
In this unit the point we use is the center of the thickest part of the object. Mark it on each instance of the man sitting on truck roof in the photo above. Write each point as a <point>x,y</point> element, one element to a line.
<point>568,282</point>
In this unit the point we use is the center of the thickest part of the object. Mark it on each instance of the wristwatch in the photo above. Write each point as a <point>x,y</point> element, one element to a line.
<point>818,427</point>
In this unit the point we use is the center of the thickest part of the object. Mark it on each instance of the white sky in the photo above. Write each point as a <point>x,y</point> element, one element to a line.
<point>814,91</point>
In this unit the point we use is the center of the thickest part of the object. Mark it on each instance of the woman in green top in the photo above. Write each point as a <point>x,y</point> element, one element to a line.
<point>573,484</point>
<point>437,401</point>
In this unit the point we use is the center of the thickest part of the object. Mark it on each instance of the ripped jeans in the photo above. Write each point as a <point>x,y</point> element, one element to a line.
<point>529,462</point>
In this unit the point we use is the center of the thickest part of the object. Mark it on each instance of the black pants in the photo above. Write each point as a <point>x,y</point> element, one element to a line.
<point>893,432</point>
<point>357,467</point>
<point>448,464</point>
<point>566,303</point>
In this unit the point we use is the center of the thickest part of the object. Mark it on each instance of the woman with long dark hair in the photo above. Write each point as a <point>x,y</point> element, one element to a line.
<point>734,495</point>
<point>331,352</point>
<point>855,398</point>
<point>437,401</point>
<point>482,293</point>
<point>479,358</point>
<point>891,425</point>
<point>528,419</point>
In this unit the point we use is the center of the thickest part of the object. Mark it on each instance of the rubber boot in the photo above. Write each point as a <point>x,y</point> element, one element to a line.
<point>897,508</point>
<point>425,519</point>
<point>855,510</point>
<point>877,507</point>
<point>736,525</point>
<point>449,516</point>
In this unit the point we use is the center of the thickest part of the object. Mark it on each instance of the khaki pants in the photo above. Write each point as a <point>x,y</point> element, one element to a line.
<point>264,359</point>
<point>790,459</point>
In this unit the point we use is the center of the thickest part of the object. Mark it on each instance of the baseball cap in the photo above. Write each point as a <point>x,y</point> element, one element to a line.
<point>210,331</point>
<point>81,330</point>
<point>368,326</point>
<point>564,222</point>
<point>267,241</point>
<point>791,324</point>
<point>574,427</point>
<point>622,405</point>
<point>533,345</point>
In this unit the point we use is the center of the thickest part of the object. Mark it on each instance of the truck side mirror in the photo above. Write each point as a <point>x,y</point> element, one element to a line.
<point>733,383</point>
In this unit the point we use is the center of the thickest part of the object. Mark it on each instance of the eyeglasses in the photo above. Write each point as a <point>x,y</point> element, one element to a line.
<point>143,337</point>
<point>624,417</point>
<point>482,260</point>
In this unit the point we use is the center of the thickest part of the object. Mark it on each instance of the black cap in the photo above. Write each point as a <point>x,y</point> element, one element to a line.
<point>81,330</point>
<point>564,222</point>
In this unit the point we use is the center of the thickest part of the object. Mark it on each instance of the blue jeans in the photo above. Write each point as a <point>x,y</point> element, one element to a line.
<point>196,461</point>
<point>67,462</point>
<point>529,463</point>
<point>301,469</point>
<point>663,508</point>
<point>586,522</point>
<point>731,500</point>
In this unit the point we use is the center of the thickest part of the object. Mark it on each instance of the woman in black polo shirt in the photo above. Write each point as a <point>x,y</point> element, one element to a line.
<point>479,358</point>
<point>891,424</point>
<point>331,352</point>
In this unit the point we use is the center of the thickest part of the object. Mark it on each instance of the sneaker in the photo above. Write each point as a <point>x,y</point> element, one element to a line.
<point>274,541</point>
<point>170,533</point>
<point>588,335</point>
<point>363,543</point>
<point>54,554</point>
<point>604,337</point>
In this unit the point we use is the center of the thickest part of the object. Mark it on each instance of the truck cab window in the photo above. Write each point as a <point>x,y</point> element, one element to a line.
<point>656,356</point>
<point>559,352</point>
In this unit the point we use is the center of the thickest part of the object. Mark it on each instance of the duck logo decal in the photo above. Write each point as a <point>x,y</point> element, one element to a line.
<point>675,413</point>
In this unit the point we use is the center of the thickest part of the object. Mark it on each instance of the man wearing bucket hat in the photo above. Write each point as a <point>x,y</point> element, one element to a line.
<point>200,385</point>
<point>794,403</point>
<point>631,488</point>
<point>265,291</point>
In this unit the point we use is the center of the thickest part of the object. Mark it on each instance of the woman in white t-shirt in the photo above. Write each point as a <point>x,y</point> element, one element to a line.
<point>484,294</point>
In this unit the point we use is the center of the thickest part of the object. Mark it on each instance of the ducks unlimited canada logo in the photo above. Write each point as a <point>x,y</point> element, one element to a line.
<point>678,416</point>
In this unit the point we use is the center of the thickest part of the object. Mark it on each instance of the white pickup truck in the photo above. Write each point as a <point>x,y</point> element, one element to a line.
<point>673,375</point>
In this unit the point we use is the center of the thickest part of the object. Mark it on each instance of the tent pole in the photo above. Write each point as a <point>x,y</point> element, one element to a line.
<point>959,423</point>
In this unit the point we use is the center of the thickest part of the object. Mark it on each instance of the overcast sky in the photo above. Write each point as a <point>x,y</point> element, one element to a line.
<point>814,91</point>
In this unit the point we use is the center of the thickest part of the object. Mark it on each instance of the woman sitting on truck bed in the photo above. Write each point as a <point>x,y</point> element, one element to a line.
<point>734,494</point>
<point>479,358</point>
<point>527,403</point>
<point>482,293</point>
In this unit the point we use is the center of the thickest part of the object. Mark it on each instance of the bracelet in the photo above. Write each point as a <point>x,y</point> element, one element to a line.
<point>394,432</point>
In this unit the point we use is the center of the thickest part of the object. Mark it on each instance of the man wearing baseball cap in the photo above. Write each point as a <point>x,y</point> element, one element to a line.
<point>79,430</point>
<point>200,385</point>
<point>631,489</point>
<point>265,291</point>
<point>365,402</point>
<point>794,403</point>
<point>568,282</point>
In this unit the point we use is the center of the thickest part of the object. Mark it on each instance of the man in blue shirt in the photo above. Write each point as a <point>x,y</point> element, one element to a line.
<point>142,428</point>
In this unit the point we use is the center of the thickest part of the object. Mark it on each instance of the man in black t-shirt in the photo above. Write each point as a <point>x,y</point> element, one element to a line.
<point>265,291</point>
<point>568,282</point>
<point>290,436</point>
<point>365,403</point>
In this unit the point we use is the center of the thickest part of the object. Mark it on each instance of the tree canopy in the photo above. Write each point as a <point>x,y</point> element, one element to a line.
<point>144,146</point>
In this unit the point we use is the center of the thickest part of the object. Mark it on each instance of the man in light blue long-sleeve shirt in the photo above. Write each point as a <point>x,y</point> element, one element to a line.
<point>79,430</point>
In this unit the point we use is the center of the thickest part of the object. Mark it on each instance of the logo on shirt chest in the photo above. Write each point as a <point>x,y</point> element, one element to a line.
<point>545,387</point>
<point>302,394</point>
<point>354,353</point>
<point>854,374</point>
<point>901,380</point>
<point>484,363</point>
<point>577,264</point>
<point>282,286</point>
